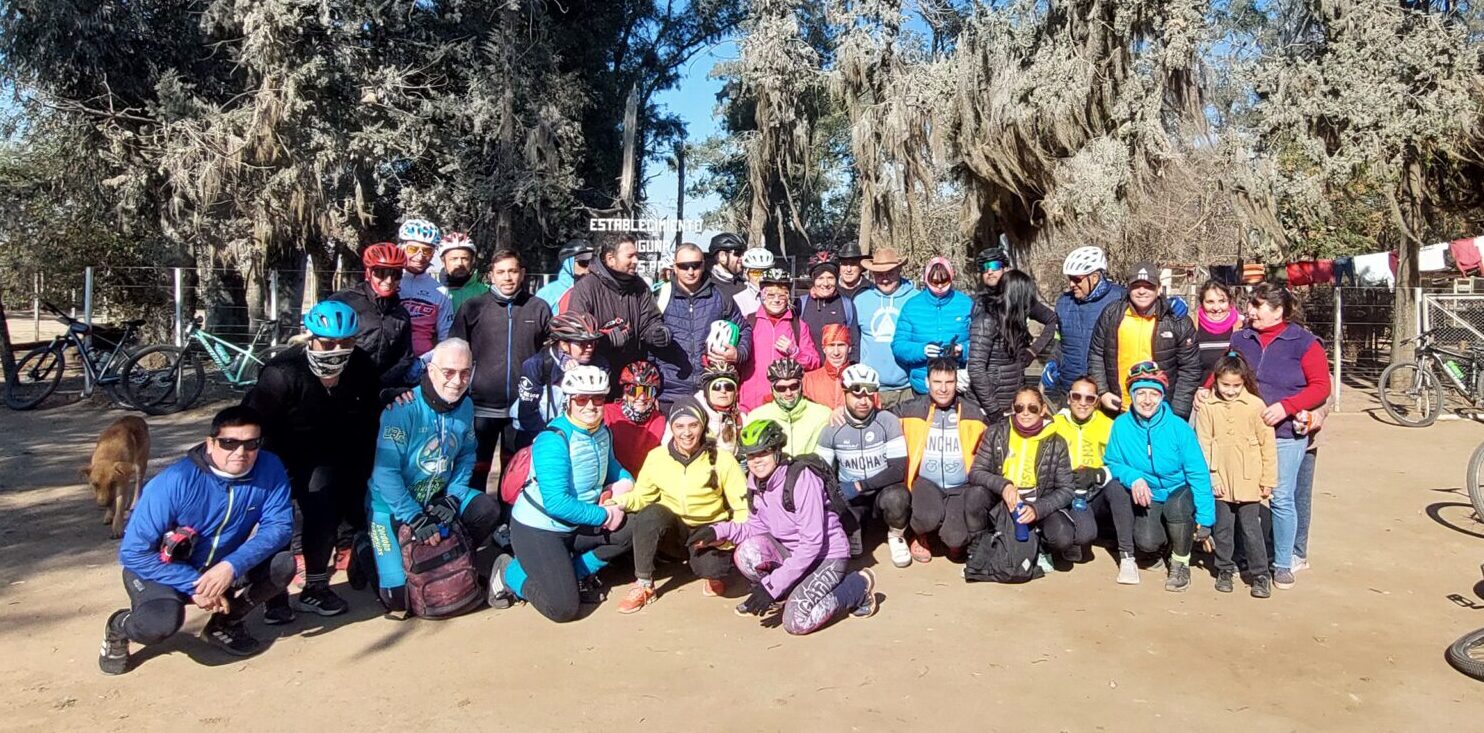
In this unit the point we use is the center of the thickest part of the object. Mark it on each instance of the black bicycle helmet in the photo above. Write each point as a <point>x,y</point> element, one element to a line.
<point>785,369</point>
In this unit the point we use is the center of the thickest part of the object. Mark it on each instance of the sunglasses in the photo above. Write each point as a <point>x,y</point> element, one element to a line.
<point>720,386</point>
<point>638,390</point>
<point>1077,279</point>
<point>462,375</point>
<point>583,400</point>
<point>1083,399</point>
<point>788,386</point>
<point>334,344</point>
<point>688,266</point>
<point>1027,409</point>
<point>862,391</point>
<point>386,273</point>
<point>994,266</point>
<point>231,445</point>
<point>583,261</point>
<point>418,248</point>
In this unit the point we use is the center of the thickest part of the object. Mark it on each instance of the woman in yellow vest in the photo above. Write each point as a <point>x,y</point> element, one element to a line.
<point>1086,429</point>
<point>1023,463</point>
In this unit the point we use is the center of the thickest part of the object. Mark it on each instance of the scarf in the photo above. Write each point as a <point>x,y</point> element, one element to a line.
<point>634,415</point>
<point>1224,325</point>
<point>1027,433</point>
<point>439,405</point>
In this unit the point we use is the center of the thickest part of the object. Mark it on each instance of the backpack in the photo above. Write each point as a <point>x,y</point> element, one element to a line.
<point>515,476</point>
<point>835,501</point>
<point>441,580</point>
<point>995,556</point>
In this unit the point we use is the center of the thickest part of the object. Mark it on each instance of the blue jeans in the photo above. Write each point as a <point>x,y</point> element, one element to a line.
<point>1285,513</point>
<point>1303,501</point>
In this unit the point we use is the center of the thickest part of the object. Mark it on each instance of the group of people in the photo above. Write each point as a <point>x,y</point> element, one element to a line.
<point>721,420</point>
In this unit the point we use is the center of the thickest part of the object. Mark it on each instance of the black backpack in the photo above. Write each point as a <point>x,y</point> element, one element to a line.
<point>995,556</point>
<point>835,501</point>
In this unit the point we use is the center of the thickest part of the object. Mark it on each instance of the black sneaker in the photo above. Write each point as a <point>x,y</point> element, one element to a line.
<point>230,636</point>
<point>321,600</point>
<point>590,591</point>
<point>113,658</point>
<point>1224,582</point>
<point>276,612</point>
<point>1179,579</point>
<point>1262,587</point>
<point>362,562</point>
<point>1072,554</point>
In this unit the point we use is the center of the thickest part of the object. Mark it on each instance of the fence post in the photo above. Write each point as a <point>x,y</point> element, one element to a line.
<point>87,295</point>
<point>273,302</point>
<point>179,305</point>
<point>36,307</point>
<point>1339,344</point>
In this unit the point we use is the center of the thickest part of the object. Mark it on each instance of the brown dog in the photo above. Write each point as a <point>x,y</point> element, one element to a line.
<point>117,470</point>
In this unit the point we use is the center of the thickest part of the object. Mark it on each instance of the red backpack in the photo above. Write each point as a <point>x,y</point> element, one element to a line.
<point>441,580</point>
<point>515,476</point>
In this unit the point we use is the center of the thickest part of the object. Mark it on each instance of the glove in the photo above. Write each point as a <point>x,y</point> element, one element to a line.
<point>444,510</point>
<point>1051,375</point>
<point>932,351</point>
<point>1202,534</point>
<point>758,603</point>
<point>1088,479</point>
<point>423,527</point>
<point>1177,307</point>
<point>703,536</point>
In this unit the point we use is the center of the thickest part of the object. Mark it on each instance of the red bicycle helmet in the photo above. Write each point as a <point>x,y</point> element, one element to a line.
<point>574,326</point>
<point>383,255</point>
<point>643,373</point>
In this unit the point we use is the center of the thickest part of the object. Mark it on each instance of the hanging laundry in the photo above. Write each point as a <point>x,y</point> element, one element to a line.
<point>1432,258</point>
<point>1465,255</point>
<point>1375,270</point>
<point>1311,272</point>
<point>1344,271</point>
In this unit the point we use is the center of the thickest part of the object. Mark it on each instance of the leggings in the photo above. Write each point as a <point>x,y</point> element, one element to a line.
<point>548,564</point>
<point>823,593</point>
<point>657,529</point>
<point>157,611</point>
<point>957,515</point>
<point>1246,516</point>
<point>1067,528</point>
<point>1116,500</point>
<point>1170,521</point>
<point>478,514</point>
<point>489,432</point>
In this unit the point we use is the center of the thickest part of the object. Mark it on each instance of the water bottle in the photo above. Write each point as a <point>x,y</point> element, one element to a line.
<point>1454,370</point>
<point>1079,501</point>
<point>1022,531</point>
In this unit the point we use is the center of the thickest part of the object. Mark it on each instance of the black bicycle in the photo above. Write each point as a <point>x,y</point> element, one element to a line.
<point>39,372</point>
<point>1412,391</point>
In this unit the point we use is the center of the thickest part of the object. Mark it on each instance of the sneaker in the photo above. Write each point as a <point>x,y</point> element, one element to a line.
<point>868,605</point>
<point>1179,579</point>
<point>590,591</point>
<point>856,546</point>
<point>276,612</point>
<point>500,597</point>
<point>637,598</point>
<point>1043,561</point>
<point>1282,578</point>
<point>230,636</point>
<point>321,600</point>
<point>501,537</point>
<point>113,657</point>
<point>1073,554</point>
<point>1224,582</point>
<point>1128,571</point>
<point>713,587</point>
<point>1299,563</point>
<point>901,555</point>
<point>1262,587</point>
<point>919,549</point>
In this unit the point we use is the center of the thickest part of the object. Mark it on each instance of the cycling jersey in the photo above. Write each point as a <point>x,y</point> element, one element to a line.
<point>430,309</point>
<point>867,455</point>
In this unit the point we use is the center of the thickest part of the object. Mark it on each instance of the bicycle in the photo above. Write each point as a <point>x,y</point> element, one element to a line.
<point>165,378</point>
<point>39,372</point>
<point>1467,653</point>
<point>1411,391</point>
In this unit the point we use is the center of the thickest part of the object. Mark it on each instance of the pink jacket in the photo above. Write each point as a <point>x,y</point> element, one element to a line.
<point>765,333</point>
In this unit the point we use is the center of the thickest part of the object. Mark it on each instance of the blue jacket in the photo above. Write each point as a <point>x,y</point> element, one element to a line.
<point>689,318</point>
<point>569,468</point>
<point>878,315</point>
<point>1177,461</point>
<point>421,453</point>
<point>565,279</point>
<point>1078,319</point>
<point>931,319</point>
<point>224,512</point>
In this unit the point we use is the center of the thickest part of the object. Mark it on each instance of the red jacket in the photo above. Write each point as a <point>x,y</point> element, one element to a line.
<point>632,441</point>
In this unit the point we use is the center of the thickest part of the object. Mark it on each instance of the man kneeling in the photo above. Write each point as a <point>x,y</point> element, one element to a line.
<point>212,529</point>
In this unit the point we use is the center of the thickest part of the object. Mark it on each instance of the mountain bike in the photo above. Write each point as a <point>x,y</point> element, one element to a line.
<point>163,379</point>
<point>1412,391</point>
<point>39,372</point>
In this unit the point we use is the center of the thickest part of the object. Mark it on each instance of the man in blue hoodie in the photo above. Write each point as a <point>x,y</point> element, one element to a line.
<point>211,530</point>
<point>877,310</point>
<point>575,257</point>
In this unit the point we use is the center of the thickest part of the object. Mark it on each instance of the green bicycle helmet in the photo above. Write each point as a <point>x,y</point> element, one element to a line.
<point>760,436</point>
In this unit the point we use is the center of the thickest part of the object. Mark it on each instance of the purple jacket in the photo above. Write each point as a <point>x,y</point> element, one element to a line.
<point>810,534</point>
<point>1279,374</point>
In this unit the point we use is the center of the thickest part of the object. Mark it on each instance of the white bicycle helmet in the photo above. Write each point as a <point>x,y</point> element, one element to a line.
<point>860,375</point>
<point>419,230</point>
<point>723,334</point>
<point>456,240</point>
<point>1084,261</point>
<point>585,379</point>
<point>757,258</point>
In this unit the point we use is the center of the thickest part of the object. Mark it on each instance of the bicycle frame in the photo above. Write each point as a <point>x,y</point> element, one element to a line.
<point>231,359</point>
<point>93,374</point>
<point>1433,357</point>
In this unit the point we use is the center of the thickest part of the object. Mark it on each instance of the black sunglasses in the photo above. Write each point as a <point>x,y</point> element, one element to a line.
<point>231,445</point>
<point>1027,409</point>
<point>688,266</point>
<point>584,261</point>
<point>383,273</point>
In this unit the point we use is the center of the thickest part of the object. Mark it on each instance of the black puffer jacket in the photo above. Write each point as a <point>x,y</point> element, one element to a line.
<point>626,311</point>
<point>996,370</point>
<point>1174,350</point>
<point>1054,486</point>
<point>385,333</point>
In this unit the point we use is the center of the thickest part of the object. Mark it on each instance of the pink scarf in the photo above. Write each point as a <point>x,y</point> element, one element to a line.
<point>1225,325</point>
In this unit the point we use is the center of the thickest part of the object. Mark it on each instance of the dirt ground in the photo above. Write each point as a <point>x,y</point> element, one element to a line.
<point>1358,645</point>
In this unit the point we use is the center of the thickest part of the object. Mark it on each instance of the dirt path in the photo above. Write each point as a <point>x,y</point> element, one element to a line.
<point>1356,646</point>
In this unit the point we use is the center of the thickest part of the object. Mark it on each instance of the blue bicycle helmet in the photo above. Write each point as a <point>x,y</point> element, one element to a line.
<point>332,319</point>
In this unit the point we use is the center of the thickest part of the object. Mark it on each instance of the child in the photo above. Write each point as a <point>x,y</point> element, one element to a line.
<point>1243,456</point>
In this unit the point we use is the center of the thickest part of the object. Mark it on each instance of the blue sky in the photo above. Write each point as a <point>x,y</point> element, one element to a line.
<point>695,101</point>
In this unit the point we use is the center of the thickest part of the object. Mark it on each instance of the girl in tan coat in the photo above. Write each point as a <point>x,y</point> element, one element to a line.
<point>1243,457</point>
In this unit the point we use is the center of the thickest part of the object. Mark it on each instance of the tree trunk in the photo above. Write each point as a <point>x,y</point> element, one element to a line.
<point>7,356</point>
<point>630,154</point>
<point>1408,209</point>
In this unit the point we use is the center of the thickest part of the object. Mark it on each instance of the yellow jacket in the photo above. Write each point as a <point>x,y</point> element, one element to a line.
<point>1086,443</point>
<point>686,488</point>
<point>1239,447</point>
<point>917,418</point>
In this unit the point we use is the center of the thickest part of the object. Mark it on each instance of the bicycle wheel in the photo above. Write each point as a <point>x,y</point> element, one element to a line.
<point>160,380</point>
<point>1474,480</point>
<point>255,365</point>
<point>37,375</point>
<point>1467,654</point>
<point>1410,394</point>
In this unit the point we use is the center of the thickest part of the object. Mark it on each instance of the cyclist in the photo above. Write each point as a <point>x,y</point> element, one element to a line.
<point>755,262</point>
<point>460,282</point>
<point>718,397</point>
<point>427,304</point>
<point>824,304</point>
<point>385,330</point>
<point>576,256</point>
<point>777,333</point>
<point>933,324</point>
<point>636,423</point>
<point>802,421</point>
<point>725,251</point>
<point>319,405</point>
<point>869,454</point>
<point>1089,291</point>
<point>571,341</point>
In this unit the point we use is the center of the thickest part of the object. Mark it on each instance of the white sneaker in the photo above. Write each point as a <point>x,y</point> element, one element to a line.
<point>1044,561</point>
<point>1299,563</point>
<point>1128,571</point>
<point>901,555</point>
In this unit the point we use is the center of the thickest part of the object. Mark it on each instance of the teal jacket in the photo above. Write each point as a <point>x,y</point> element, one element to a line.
<point>570,467</point>
<point>420,453</point>
<point>1164,452</point>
